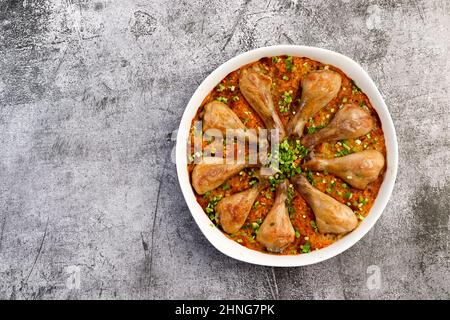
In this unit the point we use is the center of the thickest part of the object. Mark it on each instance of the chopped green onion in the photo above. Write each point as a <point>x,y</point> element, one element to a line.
<point>289,64</point>
<point>285,103</point>
<point>314,225</point>
<point>306,247</point>
<point>313,129</point>
<point>220,87</point>
<point>222,99</point>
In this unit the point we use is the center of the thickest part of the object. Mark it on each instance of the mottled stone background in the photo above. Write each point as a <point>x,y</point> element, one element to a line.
<point>90,92</point>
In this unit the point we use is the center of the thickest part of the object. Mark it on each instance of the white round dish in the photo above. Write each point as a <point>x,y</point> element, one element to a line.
<point>362,80</point>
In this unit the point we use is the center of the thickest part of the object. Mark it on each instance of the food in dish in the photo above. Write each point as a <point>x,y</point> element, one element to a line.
<point>350,122</point>
<point>331,156</point>
<point>331,215</point>
<point>318,89</point>
<point>256,88</point>
<point>276,231</point>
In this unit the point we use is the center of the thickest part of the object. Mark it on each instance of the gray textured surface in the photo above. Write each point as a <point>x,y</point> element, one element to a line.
<point>90,92</point>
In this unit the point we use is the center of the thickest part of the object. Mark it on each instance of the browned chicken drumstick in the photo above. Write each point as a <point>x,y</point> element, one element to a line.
<point>357,169</point>
<point>349,122</point>
<point>276,231</point>
<point>219,116</point>
<point>208,175</point>
<point>318,89</point>
<point>233,210</point>
<point>331,215</point>
<point>256,87</point>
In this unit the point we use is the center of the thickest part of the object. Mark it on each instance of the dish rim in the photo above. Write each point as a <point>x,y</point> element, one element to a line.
<point>362,79</point>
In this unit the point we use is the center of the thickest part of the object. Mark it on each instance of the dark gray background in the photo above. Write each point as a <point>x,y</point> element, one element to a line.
<point>90,92</point>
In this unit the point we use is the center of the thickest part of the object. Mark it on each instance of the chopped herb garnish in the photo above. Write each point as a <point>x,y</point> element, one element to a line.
<point>285,103</point>
<point>355,88</point>
<point>210,209</point>
<point>314,225</point>
<point>207,195</point>
<point>289,64</point>
<point>290,152</point>
<point>362,200</point>
<point>310,177</point>
<point>306,247</point>
<point>346,146</point>
<point>312,129</point>
<point>342,152</point>
<point>235,98</point>
<point>297,234</point>
<point>222,99</point>
<point>275,180</point>
<point>275,59</point>
<point>220,87</point>
<point>226,186</point>
<point>285,77</point>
